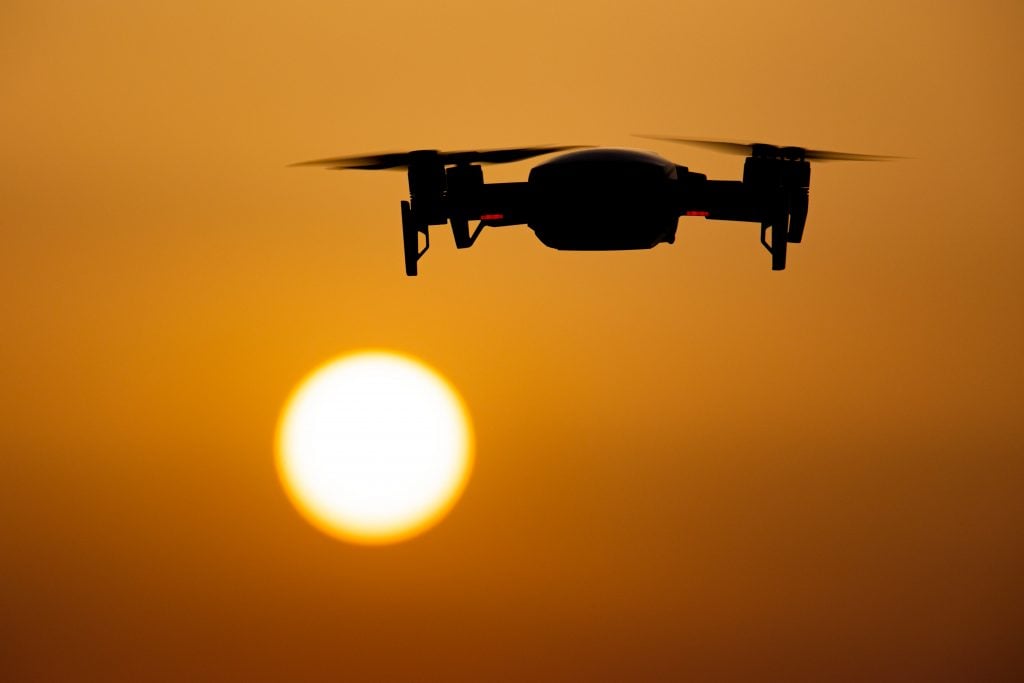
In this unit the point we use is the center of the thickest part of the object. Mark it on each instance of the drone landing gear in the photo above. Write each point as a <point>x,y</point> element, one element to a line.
<point>780,239</point>
<point>460,229</point>
<point>412,227</point>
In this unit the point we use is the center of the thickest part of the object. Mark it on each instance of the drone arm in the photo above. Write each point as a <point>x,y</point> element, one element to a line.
<point>499,204</point>
<point>494,205</point>
<point>726,200</point>
<point>733,200</point>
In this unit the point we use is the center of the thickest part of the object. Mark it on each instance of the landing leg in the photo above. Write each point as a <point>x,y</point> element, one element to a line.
<point>780,240</point>
<point>411,229</point>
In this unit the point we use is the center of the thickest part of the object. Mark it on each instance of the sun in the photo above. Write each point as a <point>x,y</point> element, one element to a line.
<point>374,447</point>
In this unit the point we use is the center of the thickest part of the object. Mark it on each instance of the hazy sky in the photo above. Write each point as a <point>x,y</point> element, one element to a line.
<point>688,466</point>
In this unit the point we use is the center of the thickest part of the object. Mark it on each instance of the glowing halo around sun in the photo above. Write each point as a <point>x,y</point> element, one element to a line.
<point>374,447</point>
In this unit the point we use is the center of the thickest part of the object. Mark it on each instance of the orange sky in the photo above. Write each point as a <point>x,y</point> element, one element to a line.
<point>688,466</point>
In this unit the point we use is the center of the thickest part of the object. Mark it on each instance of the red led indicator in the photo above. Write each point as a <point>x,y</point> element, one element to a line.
<point>492,217</point>
<point>697,213</point>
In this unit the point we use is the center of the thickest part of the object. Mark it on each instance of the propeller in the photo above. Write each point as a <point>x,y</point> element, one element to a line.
<point>401,160</point>
<point>762,149</point>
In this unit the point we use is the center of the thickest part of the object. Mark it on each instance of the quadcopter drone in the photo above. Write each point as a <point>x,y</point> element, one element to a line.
<point>599,199</point>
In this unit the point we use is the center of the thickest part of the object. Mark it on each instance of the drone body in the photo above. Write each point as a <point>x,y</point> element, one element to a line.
<point>598,199</point>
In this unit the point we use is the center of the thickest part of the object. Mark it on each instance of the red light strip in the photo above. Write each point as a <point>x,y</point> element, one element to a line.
<point>492,217</point>
<point>697,213</point>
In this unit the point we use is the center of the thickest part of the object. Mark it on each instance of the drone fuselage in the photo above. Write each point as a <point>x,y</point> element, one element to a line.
<point>604,199</point>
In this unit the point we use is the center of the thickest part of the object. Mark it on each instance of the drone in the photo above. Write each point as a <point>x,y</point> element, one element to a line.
<point>598,198</point>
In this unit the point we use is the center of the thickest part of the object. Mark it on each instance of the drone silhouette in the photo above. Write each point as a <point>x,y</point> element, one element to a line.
<point>599,199</point>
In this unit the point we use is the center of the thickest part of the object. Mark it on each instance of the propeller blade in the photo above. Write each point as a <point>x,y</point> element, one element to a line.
<point>503,156</point>
<point>821,155</point>
<point>726,146</point>
<point>369,162</point>
<point>747,148</point>
<point>400,160</point>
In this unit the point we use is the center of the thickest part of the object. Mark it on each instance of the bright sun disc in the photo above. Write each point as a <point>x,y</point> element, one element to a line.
<point>374,447</point>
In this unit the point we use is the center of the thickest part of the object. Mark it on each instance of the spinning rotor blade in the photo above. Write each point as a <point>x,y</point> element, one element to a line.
<point>822,155</point>
<point>717,145</point>
<point>502,156</point>
<point>401,160</point>
<point>749,148</point>
<point>368,162</point>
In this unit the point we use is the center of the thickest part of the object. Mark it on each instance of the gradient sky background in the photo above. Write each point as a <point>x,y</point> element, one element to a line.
<point>687,465</point>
